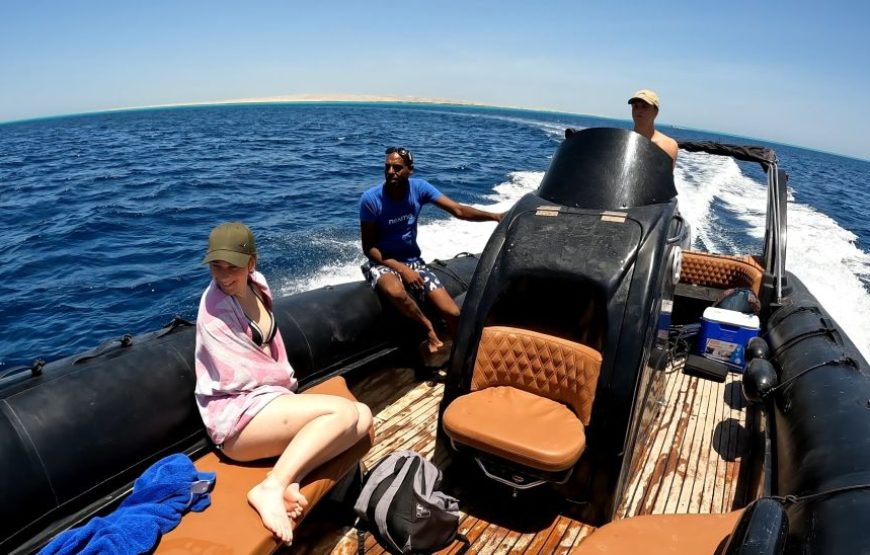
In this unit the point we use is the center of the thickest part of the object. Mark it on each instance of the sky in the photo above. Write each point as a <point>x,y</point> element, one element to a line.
<point>791,72</point>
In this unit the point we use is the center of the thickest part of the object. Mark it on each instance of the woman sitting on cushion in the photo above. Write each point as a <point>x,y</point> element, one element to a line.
<point>245,385</point>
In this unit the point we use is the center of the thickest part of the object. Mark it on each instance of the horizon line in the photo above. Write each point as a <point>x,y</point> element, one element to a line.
<point>312,98</point>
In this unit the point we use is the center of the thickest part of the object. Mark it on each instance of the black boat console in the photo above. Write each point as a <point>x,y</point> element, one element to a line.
<point>590,258</point>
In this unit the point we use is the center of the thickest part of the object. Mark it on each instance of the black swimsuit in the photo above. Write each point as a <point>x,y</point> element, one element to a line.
<point>257,333</point>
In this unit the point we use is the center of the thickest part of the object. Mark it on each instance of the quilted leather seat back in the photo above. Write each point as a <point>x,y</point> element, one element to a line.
<point>722,272</point>
<point>542,364</point>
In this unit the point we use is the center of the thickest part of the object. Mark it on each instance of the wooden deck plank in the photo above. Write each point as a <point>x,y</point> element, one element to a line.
<point>569,538</point>
<point>676,465</point>
<point>488,539</point>
<point>704,483</point>
<point>689,461</point>
<point>518,542</point>
<point>659,444</point>
<point>542,541</point>
<point>554,538</point>
<point>702,493</point>
<point>584,530</point>
<point>512,541</point>
<point>716,500</point>
<point>465,524</point>
<point>686,426</point>
<point>658,459</point>
<point>694,466</point>
<point>475,531</point>
<point>737,442</point>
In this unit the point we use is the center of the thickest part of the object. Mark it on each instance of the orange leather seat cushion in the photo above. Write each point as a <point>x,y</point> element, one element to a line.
<point>230,525</point>
<point>721,271</point>
<point>661,534</point>
<point>518,426</point>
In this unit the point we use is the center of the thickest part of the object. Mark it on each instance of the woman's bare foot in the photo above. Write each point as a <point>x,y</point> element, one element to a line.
<point>267,498</point>
<point>294,501</point>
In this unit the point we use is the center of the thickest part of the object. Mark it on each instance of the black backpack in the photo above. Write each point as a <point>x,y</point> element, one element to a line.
<point>401,506</point>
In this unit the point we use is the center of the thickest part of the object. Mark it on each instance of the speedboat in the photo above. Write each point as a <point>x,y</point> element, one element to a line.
<point>577,413</point>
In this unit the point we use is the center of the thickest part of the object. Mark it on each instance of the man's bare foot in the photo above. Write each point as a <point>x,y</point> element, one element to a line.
<point>437,358</point>
<point>434,342</point>
<point>294,501</point>
<point>267,498</point>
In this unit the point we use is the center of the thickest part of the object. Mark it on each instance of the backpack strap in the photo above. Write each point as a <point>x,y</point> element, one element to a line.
<point>466,544</point>
<point>360,537</point>
<point>383,506</point>
<point>371,479</point>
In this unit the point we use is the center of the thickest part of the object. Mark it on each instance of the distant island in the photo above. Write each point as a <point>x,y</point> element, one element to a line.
<point>323,98</point>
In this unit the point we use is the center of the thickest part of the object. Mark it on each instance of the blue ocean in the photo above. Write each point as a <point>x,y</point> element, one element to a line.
<point>105,216</point>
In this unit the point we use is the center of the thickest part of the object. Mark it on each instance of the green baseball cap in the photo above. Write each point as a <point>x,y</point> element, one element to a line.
<point>232,242</point>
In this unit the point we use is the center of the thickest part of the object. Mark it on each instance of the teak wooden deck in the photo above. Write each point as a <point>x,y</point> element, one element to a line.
<point>691,463</point>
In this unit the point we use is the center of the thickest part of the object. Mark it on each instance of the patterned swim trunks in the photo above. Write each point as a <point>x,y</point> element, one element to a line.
<point>373,273</point>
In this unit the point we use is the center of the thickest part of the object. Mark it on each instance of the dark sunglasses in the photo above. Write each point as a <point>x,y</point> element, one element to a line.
<point>403,152</point>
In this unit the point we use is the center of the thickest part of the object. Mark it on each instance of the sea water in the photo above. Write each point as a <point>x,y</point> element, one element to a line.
<point>105,216</point>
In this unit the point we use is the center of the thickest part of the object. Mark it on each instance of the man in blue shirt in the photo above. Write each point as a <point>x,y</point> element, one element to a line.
<point>388,225</point>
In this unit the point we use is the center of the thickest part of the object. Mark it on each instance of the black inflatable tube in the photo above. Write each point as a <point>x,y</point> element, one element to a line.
<point>82,431</point>
<point>821,427</point>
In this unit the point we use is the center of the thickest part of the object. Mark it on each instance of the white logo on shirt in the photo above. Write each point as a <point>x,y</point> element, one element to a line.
<point>392,221</point>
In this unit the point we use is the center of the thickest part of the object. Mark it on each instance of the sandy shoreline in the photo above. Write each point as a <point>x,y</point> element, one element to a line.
<point>299,98</point>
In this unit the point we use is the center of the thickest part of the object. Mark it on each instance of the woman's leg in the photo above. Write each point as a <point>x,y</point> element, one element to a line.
<point>304,431</point>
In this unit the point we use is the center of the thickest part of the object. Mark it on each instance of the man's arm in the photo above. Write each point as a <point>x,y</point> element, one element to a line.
<point>369,236</point>
<point>667,144</point>
<point>671,148</point>
<point>465,212</point>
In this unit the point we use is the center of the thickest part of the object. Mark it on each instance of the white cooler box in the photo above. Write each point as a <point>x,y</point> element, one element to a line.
<point>724,334</point>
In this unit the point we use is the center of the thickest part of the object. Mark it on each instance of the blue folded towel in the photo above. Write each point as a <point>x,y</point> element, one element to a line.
<point>160,497</point>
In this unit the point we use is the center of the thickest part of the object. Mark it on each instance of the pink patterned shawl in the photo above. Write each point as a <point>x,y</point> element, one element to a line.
<point>235,378</point>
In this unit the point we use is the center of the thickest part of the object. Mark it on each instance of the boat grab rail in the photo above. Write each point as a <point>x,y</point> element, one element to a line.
<point>35,369</point>
<point>794,499</point>
<point>839,361</point>
<point>775,236</point>
<point>683,230</point>
<point>775,245</point>
<point>128,340</point>
<point>442,265</point>
<point>176,322</point>
<point>808,327</point>
<point>122,342</point>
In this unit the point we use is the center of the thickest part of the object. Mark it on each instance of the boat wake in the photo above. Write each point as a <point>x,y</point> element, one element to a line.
<point>820,252</point>
<point>725,208</point>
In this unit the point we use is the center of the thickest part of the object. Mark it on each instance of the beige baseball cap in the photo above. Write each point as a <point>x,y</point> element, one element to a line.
<point>647,96</point>
<point>232,242</point>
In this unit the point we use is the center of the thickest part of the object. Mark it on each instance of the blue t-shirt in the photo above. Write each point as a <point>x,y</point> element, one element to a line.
<point>397,219</point>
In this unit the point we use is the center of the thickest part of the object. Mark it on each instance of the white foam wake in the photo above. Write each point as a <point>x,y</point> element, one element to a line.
<point>438,237</point>
<point>820,252</point>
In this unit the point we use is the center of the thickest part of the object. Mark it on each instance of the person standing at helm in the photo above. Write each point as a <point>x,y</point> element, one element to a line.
<point>644,109</point>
